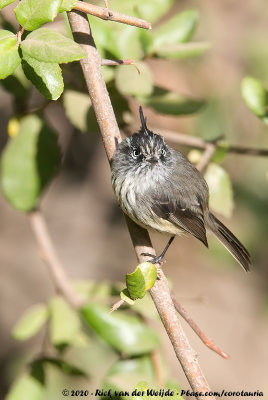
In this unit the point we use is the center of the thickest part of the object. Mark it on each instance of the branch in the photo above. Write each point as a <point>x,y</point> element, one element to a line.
<point>55,268</point>
<point>192,141</point>
<point>117,62</point>
<point>19,34</point>
<point>105,13</point>
<point>101,102</point>
<point>158,370</point>
<point>208,342</point>
<point>206,157</point>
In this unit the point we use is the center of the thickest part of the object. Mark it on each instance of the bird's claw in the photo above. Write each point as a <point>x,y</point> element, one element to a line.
<point>154,259</point>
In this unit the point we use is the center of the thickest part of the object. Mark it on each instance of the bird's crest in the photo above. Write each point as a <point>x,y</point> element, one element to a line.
<point>143,120</point>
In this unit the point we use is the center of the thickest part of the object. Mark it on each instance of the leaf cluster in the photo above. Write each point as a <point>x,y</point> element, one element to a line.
<point>85,340</point>
<point>26,166</point>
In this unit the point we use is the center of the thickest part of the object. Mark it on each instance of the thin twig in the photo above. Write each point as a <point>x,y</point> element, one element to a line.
<point>158,370</point>
<point>116,62</point>
<point>117,305</point>
<point>192,141</point>
<point>105,13</point>
<point>208,342</point>
<point>206,157</point>
<point>120,62</point>
<point>245,150</point>
<point>19,34</point>
<point>101,102</point>
<point>48,253</point>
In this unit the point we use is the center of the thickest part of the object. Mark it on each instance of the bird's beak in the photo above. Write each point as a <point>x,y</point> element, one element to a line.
<point>153,159</point>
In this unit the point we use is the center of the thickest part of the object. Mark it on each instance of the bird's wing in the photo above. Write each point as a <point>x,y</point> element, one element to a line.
<point>190,218</point>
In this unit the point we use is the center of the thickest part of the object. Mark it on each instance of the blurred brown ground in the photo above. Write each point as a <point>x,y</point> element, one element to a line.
<point>91,237</point>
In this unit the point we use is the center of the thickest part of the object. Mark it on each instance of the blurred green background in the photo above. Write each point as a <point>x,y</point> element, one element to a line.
<point>88,228</point>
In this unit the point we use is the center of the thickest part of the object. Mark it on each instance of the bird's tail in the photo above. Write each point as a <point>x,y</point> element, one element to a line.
<point>229,241</point>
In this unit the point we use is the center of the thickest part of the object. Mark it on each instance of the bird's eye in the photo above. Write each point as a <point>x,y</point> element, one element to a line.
<point>135,153</point>
<point>163,152</point>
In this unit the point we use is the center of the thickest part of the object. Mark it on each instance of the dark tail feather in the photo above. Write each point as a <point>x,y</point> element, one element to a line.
<point>230,242</point>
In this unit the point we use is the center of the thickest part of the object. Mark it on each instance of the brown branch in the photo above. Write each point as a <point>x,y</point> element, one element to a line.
<point>208,342</point>
<point>116,62</point>
<point>105,13</point>
<point>192,141</point>
<point>246,150</point>
<point>101,102</point>
<point>206,157</point>
<point>55,268</point>
<point>117,305</point>
<point>158,370</point>
<point>19,34</point>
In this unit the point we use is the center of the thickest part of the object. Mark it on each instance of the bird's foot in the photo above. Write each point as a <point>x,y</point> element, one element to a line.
<point>154,259</point>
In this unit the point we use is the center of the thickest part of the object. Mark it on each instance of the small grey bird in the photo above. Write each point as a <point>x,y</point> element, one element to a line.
<point>159,189</point>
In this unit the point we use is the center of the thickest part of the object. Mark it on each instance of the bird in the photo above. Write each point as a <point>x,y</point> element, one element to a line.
<point>159,189</point>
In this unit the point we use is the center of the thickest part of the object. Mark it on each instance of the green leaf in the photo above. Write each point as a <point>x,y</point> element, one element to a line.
<point>65,322</point>
<point>77,105</point>
<point>67,5</point>
<point>168,102</point>
<point>27,387</point>
<point>106,40</point>
<point>126,333</point>
<point>17,84</point>
<point>125,374</point>
<point>31,322</point>
<point>122,111</point>
<point>255,96</point>
<point>129,81</point>
<point>211,122</point>
<point>29,162</point>
<point>136,284</point>
<point>173,385</point>
<point>108,73</point>
<point>142,279</point>
<point>51,47</point>
<point>125,296</point>
<point>9,55</point>
<point>127,35</point>
<point>183,50</point>
<point>220,190</point>
<point>152,10</point>
<point>31,14</point>
<point>178,29</point>
<point>140,391</point>
<point>46,77</point>
<point>149,272</point>
<point>220,152</point>
<point>4,3</point>
<point>63,365</point>
<point>146,39</point>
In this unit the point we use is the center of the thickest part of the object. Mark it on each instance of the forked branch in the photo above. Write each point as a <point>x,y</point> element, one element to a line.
<point>160,293</point>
